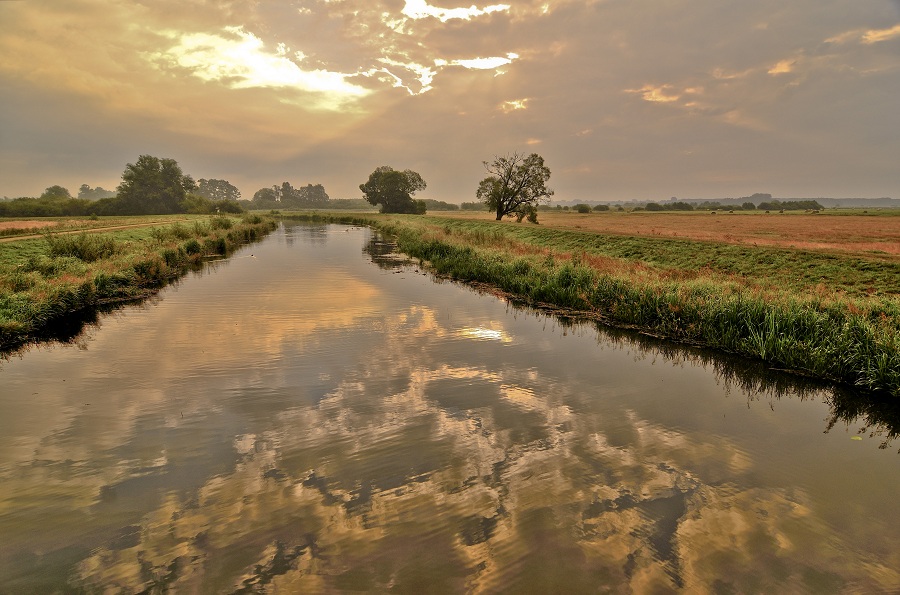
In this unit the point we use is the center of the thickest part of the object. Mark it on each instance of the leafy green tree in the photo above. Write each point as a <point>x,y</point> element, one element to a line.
<point>265,195</point>
<point>217,190</point>
<point>154,186</point>
<point>393,190</point>
<point>680,206</point>
<point>56,192</point>
<point>439,205</point>
<point>516,184</point>
<point>88,193</point>
<point>312,195</point>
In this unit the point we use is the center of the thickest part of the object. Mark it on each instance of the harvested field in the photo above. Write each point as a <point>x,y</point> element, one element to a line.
<point>4,225</point>
<point>841,233</point>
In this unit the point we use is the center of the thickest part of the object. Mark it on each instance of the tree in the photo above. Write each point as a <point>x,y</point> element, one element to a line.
<point>393,190</point>
<point>265,195</point>
<point>217,190</point>
<point>88,193</point>
<point>516,185</point>
<point>312,195</point>
<point>54,192</point>
<point>154,185</point>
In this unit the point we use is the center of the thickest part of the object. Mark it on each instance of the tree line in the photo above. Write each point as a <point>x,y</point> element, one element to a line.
<point>150,186</point>
<point>515,186</point>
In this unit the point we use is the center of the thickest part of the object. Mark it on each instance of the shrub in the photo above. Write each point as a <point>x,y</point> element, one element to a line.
<point>192,246</point>
<point>221,222</point>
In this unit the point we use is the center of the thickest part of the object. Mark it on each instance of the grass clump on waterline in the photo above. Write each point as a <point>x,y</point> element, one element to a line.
<point>819,329</point>
<point>44,281</point>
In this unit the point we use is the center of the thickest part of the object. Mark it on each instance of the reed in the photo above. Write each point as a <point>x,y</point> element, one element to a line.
<point>81,246</point>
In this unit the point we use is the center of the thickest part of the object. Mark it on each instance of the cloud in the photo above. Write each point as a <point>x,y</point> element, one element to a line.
<point>877,35</point>
<point>239,59</point>
<point>420,9</point>
<point>656,93</point>
<point>514,105</point>
<point>424,75</point>
<point>783,67</point>
<point>481,63</point>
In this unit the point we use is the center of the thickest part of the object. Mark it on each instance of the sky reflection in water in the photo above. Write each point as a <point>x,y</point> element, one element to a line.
<point>299,418</point>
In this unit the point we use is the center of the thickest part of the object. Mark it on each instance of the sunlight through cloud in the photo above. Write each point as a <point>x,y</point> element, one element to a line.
<point>654,94</point>
<point>480,63</point>
<point>241,61</point>
<point>420,9</point>
<point>876,35</point>
<point>424,75</point>
<point>514,105</point>
<point>783,67</point>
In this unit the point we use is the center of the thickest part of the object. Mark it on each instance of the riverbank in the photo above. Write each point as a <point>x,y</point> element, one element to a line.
<point>44,281</point>
<point>818,313</point>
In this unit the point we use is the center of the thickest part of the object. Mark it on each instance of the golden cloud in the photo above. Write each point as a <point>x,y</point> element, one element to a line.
<point>240,60</point>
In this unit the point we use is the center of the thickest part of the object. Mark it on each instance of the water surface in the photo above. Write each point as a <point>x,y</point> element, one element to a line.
<point>316,415</point>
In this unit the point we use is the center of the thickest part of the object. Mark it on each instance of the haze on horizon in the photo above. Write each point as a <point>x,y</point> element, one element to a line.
<point>624,99</point>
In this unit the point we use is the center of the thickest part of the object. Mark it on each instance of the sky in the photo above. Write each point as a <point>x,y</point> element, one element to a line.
<point>624,99</point>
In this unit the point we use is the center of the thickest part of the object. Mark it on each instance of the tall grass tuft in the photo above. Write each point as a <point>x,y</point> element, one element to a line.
<point>83,246</point>
<point>221,222</point>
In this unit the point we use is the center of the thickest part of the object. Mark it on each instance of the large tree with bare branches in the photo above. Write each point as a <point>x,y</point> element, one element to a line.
<point>515,186</point>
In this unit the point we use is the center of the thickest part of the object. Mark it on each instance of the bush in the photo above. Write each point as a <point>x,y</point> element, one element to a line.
<point>601,208</point>
<point>221,222</point>
<point>583,208</point>
<point>192,246</point>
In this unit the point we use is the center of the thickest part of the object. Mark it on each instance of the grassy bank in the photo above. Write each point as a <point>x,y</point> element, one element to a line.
<point>829,315</point>
<point>43,281</point>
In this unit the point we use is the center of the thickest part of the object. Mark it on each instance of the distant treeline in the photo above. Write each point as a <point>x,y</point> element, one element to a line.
<point>713,205</point>
<point>150,186</point>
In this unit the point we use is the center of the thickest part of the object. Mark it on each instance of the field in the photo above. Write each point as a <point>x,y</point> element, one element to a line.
<point>840,231</point>
<point>12,229</point>
<point>800,292</point>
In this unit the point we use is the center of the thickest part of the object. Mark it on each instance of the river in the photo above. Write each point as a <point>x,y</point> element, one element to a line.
<point>317,414</point>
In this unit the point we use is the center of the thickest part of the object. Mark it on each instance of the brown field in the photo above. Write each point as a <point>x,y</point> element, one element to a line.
<point>26,224</point>
<point>842,233</point>
<point>72,226</point>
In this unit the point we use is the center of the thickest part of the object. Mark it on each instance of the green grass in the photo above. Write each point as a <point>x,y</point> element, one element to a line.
<point>809,312</point>
<point>45,280</point>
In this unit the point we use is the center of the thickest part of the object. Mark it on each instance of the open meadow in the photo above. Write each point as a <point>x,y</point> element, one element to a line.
<point>856,230</point>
